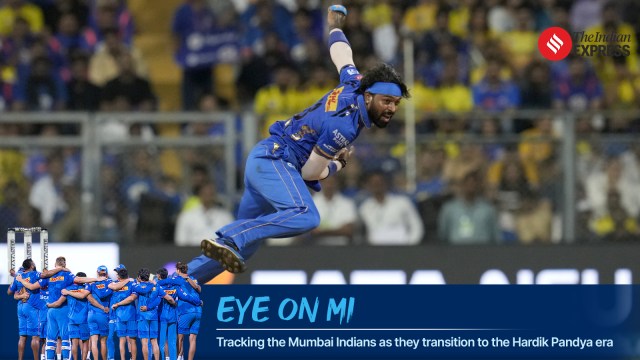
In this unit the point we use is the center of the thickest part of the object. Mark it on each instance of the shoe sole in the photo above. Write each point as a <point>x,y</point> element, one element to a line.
<point>225,256</point>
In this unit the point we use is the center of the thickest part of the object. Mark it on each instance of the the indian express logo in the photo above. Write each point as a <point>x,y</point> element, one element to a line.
<point>555,43</point>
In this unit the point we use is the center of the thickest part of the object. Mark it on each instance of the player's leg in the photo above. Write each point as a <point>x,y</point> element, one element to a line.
<point>22,330</point>
<point>104,349</point>
<point>192,346</point>
<point>94,344</point>
<point>153,338</point>
<point>32,323</point>
<point>180,345</point>
<point>111,337</point>
<point>172,341</point>
<point>22,344</point>
<point>133,348</point>
<point>132,330</point>
<point>84,341</point>
<point>193,334</point>
<point>251,206</point>
<point>282,186</point>
<point>155,348</point>
<point>144,343</point>
<point>42,332</point>
<point>121,330</point>
<point>52,335</point>
<point>64,332</point>
<point>75,343</point>
<point>162,338</point>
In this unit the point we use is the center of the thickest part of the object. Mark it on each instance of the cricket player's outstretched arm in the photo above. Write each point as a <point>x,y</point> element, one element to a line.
<point>339,48</point>
<point>319,167</point>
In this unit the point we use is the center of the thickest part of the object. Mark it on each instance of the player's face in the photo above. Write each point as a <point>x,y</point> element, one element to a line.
<point>381,109</point>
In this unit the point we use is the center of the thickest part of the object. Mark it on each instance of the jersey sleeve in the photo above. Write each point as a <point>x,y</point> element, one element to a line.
<point>349,73</point>
<point>70,277</point>
<point>191,299</point>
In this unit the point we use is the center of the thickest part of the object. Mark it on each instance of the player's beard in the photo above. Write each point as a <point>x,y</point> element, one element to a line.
<point>377,118</point>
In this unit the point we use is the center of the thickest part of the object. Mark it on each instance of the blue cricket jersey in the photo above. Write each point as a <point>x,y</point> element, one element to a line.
<point>57,282</point>
<point>331,124</point>
<point>101,293</point>
<point>147,294</point>
<point>34,300</point>
<point>167,311</point>
<point>185,306</point>
<point>125,312</point>
<point>78,309</point>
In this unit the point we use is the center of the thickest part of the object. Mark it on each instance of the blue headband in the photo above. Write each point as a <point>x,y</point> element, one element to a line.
<point>385,88</point>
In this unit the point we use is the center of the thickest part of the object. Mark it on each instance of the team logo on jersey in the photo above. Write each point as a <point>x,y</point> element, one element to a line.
<point>170,292</point>
<point>100,286</point>
<point>332,100</point>
<point>304,129</point>
<point>57,278</point>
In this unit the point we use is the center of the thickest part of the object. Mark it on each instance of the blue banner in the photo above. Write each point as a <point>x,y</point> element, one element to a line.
<point>410,322</point>
<point>415,322</point>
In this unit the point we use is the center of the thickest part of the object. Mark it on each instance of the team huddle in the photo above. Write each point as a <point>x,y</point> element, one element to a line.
<point>82,316</point>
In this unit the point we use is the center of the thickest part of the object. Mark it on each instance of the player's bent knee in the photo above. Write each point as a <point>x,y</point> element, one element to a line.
<point>311,219</point>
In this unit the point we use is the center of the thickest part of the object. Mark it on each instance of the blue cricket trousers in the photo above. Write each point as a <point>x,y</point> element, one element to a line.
<point>276,203</point>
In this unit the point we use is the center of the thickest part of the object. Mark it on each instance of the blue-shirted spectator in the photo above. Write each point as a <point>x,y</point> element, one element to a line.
<point>494,94</point>
<point>579,89</point>
<point>198,41</point>
<point>43,89</point>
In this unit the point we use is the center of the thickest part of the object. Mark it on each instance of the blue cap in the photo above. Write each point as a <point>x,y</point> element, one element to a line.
<point>102,268</point>
<point>120,267</point>
<point>339,8</point>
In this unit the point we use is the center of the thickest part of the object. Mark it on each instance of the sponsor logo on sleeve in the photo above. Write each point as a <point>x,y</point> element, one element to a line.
<point>332,100</point>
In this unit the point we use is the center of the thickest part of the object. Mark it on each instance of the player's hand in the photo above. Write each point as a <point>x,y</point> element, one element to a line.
<point>12,272</point>
<point>344,154</point>
<point>64,292</point>
<point>115,306</point>
<point>105,309</point>
<point>336,16</point>
<point>143,308</point>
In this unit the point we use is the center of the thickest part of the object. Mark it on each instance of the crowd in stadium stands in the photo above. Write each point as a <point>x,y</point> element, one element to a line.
<point>476,63</point>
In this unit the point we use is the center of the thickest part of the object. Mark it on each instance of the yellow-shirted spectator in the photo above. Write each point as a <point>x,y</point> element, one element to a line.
<point>496,171</point>
<point>377,14</point>
<point>422,17</point>
<point>320,83</point>
<point>459,20</point>
<point>615,34</point>
<point>12,161</point>
<point>536,145</point>
<point>452,95</point>
<point>623,91</point>
<point>20,9</point>
<point>424,97</point>
<point>521,43</point>
<point>279,100</point>
<point>492,51</point>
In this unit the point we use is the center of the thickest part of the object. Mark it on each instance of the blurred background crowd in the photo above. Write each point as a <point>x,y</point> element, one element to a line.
<point>490,114</point>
